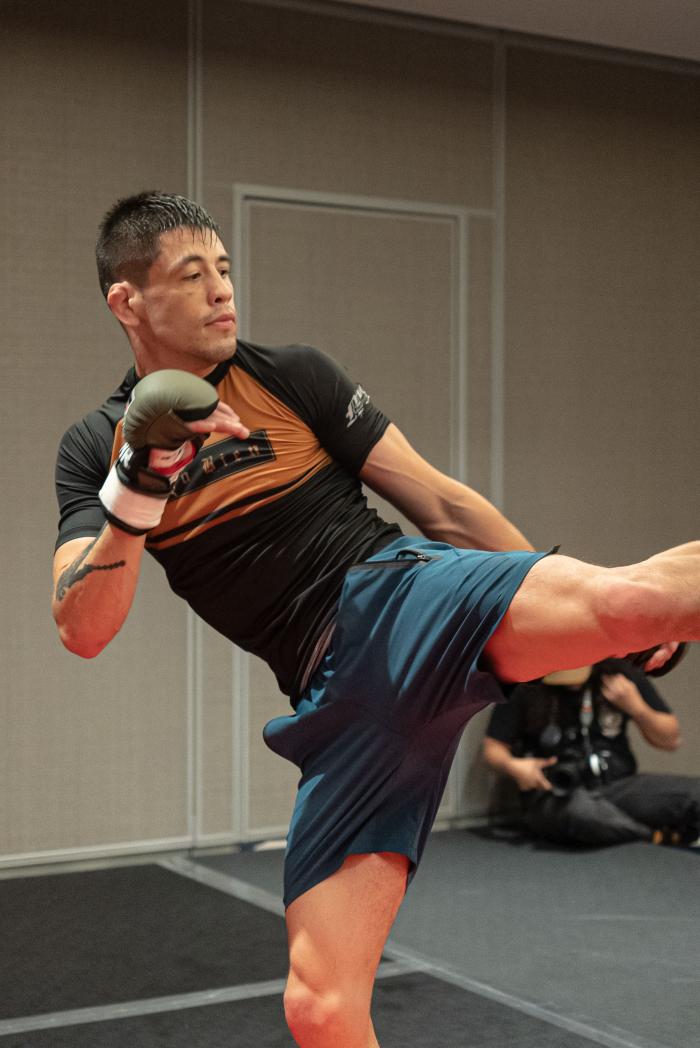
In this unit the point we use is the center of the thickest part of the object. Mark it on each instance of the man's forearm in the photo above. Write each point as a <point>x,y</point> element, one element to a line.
<point>498,756</point>
<point>469,520</point>
<point>659,729</point>
<point>94,590</point>
<point>440,506</point>
<point>473,522</point>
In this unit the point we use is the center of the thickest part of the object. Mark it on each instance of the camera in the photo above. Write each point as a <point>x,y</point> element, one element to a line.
<point>574,769</point>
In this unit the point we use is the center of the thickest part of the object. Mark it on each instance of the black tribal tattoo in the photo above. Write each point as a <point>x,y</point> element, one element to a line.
<point>74,573</point>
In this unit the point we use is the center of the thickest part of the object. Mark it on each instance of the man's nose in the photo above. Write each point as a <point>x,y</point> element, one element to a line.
<point>222,290</point>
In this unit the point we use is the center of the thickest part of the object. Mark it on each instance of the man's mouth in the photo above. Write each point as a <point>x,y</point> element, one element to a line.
<point>224,320</point>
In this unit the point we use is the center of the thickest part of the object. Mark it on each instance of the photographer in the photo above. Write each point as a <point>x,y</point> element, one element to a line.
<point>564,742</point>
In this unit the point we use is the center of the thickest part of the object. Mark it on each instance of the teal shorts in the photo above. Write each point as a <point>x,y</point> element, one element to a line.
<point>375,732</point>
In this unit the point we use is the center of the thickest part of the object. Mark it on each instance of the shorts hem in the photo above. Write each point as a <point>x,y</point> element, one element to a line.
<point>326,874</point>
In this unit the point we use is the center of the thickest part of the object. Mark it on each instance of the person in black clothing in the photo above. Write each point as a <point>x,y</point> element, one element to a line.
<point>564,741</point>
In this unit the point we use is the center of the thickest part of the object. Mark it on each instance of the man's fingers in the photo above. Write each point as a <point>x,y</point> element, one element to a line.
<point>223,419</point>
<point>660,656</point>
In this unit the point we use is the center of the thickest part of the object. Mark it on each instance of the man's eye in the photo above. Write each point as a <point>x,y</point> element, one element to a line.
<point>225,273</point>
<point>193,276</point>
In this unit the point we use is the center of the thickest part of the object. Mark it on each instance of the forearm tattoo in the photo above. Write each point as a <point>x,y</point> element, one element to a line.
<point>74,572</point>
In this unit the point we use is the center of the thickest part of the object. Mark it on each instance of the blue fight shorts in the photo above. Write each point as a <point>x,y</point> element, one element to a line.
<point>376,730</point>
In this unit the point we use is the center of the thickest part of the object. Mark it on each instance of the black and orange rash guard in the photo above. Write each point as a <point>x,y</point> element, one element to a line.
<point>259,533</point>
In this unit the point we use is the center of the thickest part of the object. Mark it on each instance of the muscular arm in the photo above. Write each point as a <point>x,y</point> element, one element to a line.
<point>442,508</point>
<point>661,730</point>
<point>95,579</point>
<point>527,772</point>
<point>94,585</point>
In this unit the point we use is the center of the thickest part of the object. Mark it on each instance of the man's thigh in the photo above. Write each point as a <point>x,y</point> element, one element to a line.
<point>337,931</point>
<point>338,928</point>
<point>554,621</point>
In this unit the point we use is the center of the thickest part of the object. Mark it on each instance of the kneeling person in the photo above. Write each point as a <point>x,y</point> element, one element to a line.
<point>564,742</point>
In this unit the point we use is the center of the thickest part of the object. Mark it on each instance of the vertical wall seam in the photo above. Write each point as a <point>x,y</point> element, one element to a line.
<point>462,320</point>
<point>240,660</point>
<point>497,481</point>
<point>191,799</point>
<point>461,460</point>
<point>198,796</point>
<point>194,625</point>
<point>194,99</point>
<point>240,744</point>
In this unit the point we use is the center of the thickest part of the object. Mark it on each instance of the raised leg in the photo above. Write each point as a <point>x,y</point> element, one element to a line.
<point>568,613</point>
<point>337,931</point>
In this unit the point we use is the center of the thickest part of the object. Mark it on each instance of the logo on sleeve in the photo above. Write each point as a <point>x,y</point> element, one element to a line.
<point>356,407</point>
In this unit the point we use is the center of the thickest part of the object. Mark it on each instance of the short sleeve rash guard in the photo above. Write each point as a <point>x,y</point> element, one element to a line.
<point>258,533</point>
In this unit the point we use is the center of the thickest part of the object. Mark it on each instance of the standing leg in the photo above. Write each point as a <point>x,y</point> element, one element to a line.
<point>337,931</point>
<point>568,613</point>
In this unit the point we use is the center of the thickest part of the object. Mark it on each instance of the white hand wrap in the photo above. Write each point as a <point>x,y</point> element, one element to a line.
<point>129,509</point>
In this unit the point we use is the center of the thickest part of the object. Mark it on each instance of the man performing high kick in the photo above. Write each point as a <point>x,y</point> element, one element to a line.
<point>240,469</point>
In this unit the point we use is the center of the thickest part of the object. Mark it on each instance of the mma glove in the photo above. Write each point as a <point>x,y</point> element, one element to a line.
<point>157,447</point>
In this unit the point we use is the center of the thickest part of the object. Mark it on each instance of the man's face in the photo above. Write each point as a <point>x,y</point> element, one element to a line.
<point>186,317</point>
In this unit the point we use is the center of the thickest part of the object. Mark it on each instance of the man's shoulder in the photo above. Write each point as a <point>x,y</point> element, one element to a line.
<point>303,377</point>
<point>251,355</point>
<point>99,424</point>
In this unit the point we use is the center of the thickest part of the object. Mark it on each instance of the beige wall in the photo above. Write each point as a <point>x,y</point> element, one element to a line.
<point>603,318</point>
<point>90,759</point>
<point>572,184</point>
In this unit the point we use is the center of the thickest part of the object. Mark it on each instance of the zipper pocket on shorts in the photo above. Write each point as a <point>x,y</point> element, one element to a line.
<point>405,559</point>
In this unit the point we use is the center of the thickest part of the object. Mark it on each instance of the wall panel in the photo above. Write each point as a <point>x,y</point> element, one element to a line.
<point>335,273</point>
<point>322,103</point>
<point>93,755</point>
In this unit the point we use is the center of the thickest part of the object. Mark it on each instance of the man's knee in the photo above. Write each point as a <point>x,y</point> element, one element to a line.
<point>317,1017</point>
<point>309,1014</point>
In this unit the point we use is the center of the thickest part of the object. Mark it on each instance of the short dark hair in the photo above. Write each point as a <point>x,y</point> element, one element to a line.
<point>127,245</point>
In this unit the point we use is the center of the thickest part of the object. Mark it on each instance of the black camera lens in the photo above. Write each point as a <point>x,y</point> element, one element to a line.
<point>564,776</point>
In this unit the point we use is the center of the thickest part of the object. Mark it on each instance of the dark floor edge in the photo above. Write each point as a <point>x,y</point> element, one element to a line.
<point>130,1009</point>
<point>223,882</point>
<point>156,1005</point>
<point>610,1037</point>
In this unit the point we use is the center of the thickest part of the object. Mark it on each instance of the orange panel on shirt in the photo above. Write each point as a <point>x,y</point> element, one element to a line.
<point>230,477</point>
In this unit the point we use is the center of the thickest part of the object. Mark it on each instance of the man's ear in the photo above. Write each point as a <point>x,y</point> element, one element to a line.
<point>121,300</point>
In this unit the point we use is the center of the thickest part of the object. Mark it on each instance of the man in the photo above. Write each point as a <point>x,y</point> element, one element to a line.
<point>564,742</point>
<point>386,644</point>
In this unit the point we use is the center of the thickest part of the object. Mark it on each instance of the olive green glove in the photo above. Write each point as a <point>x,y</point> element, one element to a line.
<point>157,446</point>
